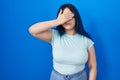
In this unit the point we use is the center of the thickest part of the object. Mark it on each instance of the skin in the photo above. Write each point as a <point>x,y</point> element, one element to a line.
<point>42,31</point>
<point>69,26</point>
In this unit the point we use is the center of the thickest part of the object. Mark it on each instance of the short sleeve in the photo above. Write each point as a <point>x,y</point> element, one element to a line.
<point>89,43</point>
<point>54,35</point>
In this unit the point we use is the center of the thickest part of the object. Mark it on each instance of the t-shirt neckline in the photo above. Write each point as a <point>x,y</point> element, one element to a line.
<point>71,35</point>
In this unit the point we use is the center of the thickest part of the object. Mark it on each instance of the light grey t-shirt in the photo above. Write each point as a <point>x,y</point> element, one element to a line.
<point>69,52</point>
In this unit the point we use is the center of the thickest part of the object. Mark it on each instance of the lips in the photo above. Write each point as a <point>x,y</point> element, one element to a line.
<point>67,23</point>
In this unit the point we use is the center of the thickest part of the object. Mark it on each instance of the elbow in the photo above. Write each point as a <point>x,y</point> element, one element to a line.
<point>93,67</point>
<point>31,30</point>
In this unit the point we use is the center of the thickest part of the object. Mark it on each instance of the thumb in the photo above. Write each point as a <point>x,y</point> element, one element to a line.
<point>60,11</point>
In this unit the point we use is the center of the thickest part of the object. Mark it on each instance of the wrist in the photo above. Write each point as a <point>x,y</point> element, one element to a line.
<point>58,22</point>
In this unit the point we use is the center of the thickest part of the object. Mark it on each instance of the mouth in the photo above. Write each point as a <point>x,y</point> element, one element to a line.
<point>67,23</point>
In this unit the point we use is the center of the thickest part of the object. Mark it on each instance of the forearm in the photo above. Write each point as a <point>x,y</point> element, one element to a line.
<point>43,26</point>
<point>92,74</point>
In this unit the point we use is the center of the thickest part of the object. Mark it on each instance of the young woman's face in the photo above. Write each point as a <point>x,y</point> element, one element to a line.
<point>71,23</point>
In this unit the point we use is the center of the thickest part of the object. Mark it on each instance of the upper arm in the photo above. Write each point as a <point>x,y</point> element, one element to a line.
<point>91,52</point>
<point>46,35</point>
<point>91,57</point>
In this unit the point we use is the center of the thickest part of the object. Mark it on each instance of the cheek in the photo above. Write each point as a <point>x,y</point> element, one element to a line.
<point>69,24</point>
<point>73,23</point>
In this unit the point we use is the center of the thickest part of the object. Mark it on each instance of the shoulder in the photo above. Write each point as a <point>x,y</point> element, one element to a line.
<point>55,35</point>
<point>54,31</point>
<point>88,42</point>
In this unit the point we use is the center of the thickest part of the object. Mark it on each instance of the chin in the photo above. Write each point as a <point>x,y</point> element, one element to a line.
<point>68,27</point>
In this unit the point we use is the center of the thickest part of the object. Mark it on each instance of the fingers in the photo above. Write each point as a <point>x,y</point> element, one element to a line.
<point>69,16</point>
<point>64,17</point>
<point>60,11</point>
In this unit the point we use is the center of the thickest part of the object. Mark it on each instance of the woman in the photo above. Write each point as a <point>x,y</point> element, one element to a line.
<point>72,46</point>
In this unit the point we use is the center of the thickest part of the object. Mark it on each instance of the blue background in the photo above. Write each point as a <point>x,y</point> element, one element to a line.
<point>24,57</point>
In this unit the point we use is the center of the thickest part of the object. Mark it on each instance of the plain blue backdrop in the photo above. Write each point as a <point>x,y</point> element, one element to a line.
<point>24,57</point>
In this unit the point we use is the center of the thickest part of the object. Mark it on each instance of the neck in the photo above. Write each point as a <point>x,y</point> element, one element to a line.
<point>70,32</point>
